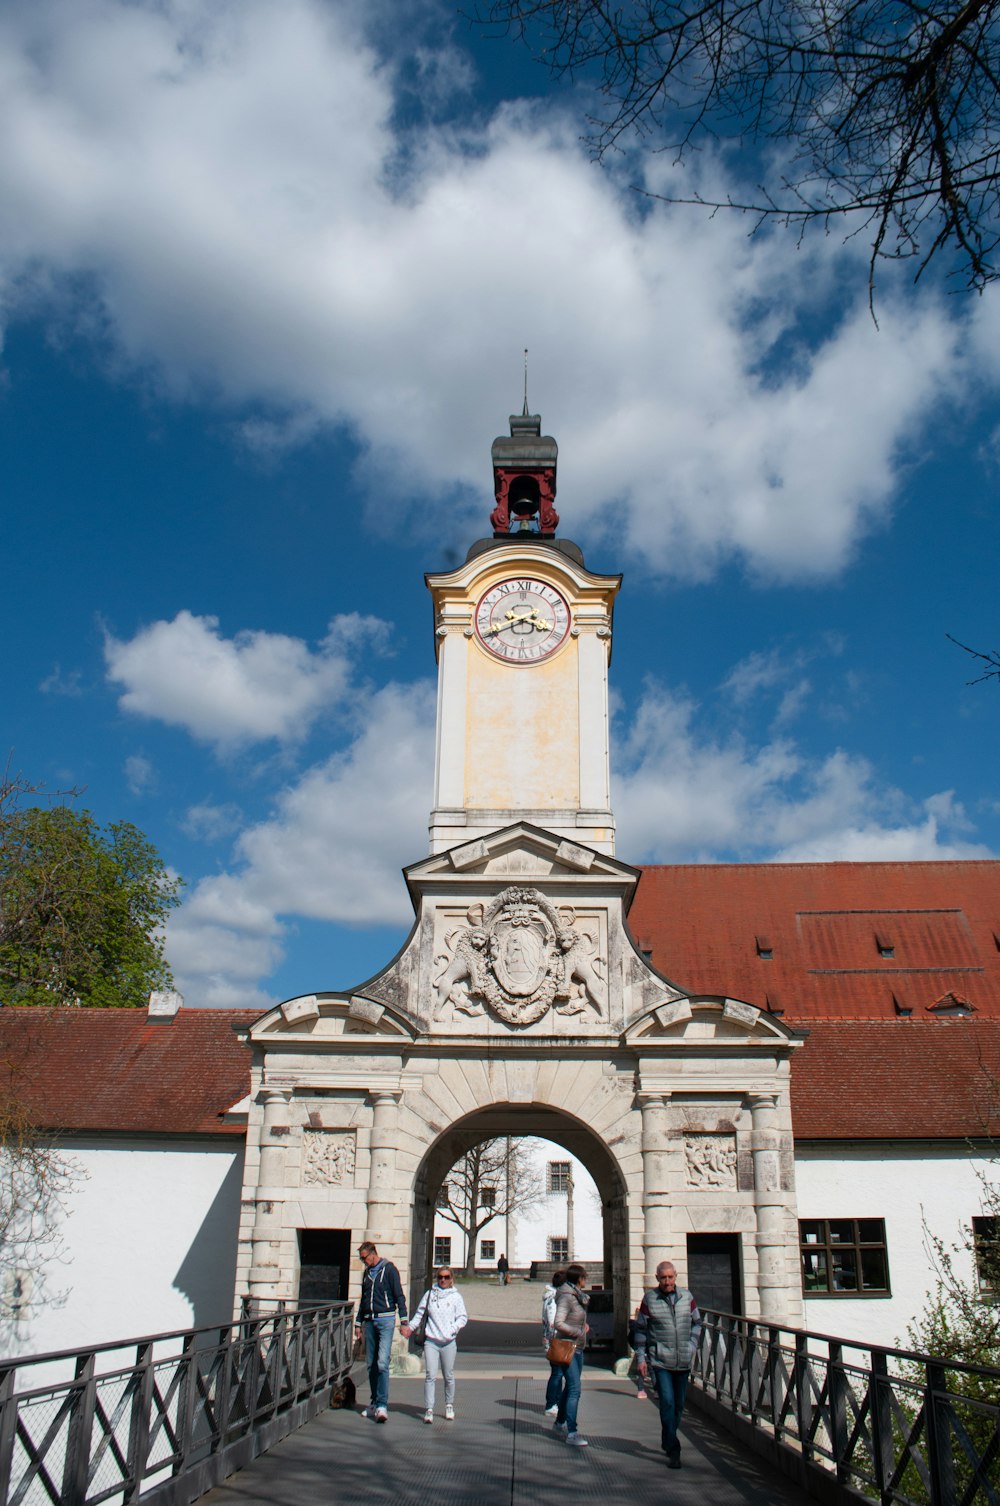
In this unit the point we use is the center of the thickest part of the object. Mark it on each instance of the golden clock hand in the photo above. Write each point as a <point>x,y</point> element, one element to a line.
<point>513,617</point>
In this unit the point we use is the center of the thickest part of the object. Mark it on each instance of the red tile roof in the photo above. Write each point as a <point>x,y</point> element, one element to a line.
<point>864,1072</point>
<point>898,1079</point>
<point>114,1070</point>
<point>824,925</point>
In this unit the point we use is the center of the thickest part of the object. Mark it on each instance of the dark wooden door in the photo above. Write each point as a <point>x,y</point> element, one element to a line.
<point>713,1272</point>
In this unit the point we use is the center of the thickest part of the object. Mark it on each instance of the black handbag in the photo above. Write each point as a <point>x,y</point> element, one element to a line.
<point>418,1336</point>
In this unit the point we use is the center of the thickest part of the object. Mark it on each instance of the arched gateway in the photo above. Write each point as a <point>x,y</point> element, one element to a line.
<point>520,1003</point>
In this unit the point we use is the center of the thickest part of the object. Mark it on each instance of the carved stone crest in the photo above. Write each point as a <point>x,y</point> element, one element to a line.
<point>327,1157</point>
<point>517,957</point>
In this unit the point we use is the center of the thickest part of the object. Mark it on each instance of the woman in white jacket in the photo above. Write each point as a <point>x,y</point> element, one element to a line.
<point>446,1317</point>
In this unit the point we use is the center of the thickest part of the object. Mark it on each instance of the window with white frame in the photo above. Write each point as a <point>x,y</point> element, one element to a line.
<point>488,1197</point>
<point>844,1257</point>
<point>558,1177</point>
<point>986,1246</point>
<point>442,1249</point>
<point>487,1249</point>
<point>558,1250</point>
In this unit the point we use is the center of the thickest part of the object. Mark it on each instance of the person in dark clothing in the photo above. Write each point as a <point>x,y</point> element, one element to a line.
<point>667,1328</point>
<point>381,1298</point>
<point>503,1270</point>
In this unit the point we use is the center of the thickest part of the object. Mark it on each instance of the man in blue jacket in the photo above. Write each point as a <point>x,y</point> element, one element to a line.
<point>381,1298</point>
<point>667,1328</point>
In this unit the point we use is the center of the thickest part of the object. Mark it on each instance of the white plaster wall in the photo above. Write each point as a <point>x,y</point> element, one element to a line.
<point>904,1186</point>
<point>532,1229</point>
<point>149,1235</point>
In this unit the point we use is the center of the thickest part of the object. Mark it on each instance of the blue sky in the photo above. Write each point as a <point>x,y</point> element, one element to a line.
<point>266,273</point>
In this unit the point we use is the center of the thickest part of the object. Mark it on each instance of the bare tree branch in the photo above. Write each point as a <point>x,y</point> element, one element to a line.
<point>991,660</point>
<point>885,112</point>
<point>492,1180</point>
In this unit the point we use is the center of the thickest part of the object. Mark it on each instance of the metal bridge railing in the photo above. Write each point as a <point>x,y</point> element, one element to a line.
<point>166,1417</point>
<point>889,1425</point>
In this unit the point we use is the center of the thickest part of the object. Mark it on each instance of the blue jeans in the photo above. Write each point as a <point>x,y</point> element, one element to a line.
<point>671,1389</point>
<point>555,1384</point>
<point>568,1380</point>
<point>378,1348</point>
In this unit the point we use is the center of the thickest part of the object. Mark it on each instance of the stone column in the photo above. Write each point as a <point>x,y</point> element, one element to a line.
<point>266,1275</point>
<point>769,1203</point>
<point>382,1197</point>
<point>656,1234</point>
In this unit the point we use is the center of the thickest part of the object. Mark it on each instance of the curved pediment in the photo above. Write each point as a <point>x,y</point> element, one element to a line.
<point>720,1021</point>
<point>319,1017</point>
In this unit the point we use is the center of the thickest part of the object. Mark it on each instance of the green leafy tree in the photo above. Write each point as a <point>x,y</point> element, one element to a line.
<point>880,116</point>
<point>961,1319</point>
<point>960,1327</point>
<point>81,907</point>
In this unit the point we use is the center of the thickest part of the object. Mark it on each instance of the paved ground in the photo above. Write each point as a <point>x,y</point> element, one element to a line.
<point>501,1450</point>
<point>521,1300</point>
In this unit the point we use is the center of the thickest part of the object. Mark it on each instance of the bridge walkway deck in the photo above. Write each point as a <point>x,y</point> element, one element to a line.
<point>501,1450</point>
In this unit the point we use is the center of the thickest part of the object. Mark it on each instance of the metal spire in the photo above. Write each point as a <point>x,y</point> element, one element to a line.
<point>525,409</point>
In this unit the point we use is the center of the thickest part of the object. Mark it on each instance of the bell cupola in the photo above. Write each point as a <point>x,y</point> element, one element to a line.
<point>524,479</point>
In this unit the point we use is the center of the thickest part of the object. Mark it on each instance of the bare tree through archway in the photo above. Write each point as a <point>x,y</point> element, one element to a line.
<point>495,1179</point>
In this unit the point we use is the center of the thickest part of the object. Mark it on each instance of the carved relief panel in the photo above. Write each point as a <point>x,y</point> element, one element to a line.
<point>710,1160</point>
<point>328,1157</point>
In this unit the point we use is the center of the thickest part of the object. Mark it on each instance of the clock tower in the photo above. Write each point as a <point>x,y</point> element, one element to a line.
<point>523,641</point>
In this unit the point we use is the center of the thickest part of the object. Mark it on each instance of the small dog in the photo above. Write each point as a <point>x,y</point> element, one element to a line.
<point>344,1394</point>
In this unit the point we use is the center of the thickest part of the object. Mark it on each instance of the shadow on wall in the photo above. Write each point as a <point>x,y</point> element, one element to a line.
<point>207,1274</point>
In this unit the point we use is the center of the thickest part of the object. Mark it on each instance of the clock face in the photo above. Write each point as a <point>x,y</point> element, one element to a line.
<point>522,620</point>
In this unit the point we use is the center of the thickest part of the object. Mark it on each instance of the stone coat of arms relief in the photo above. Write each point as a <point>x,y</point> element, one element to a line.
<point>517,958</point>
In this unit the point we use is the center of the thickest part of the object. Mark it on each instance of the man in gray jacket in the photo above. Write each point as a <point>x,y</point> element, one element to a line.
<point>667,1329</point>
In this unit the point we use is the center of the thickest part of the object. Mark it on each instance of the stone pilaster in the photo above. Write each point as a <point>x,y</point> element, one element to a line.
<point>266,1260</point>
<point>656,1212</point>
<point>382,1191</point>
<point>769,1204</point>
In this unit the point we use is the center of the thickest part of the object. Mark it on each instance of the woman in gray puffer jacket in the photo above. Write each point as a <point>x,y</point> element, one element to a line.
<point>571,1323</point>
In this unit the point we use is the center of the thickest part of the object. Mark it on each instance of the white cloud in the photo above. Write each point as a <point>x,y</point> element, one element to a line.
<point>207,822</point>
<point>140,774</point>
<point>684,796</point>
<point>62,682</point>
<point>229,186</point>
<point>331,850</point>
<point>230,691</point>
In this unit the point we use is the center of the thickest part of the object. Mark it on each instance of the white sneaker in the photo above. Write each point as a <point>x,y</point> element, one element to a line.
<point>429,1415</point>
<point>449,1414</point>
<point>381,1414</point>
<point>552,1411</point>
<point>576,1441</point>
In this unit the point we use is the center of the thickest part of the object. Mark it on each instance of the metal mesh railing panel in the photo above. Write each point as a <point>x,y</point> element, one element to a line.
<point>111,1426</point>
<point>900,1428</point>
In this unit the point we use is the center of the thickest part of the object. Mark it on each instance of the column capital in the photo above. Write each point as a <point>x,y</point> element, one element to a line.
<point>270,1094</point>
<point>652,1098</point>
<point>380,1096</point>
